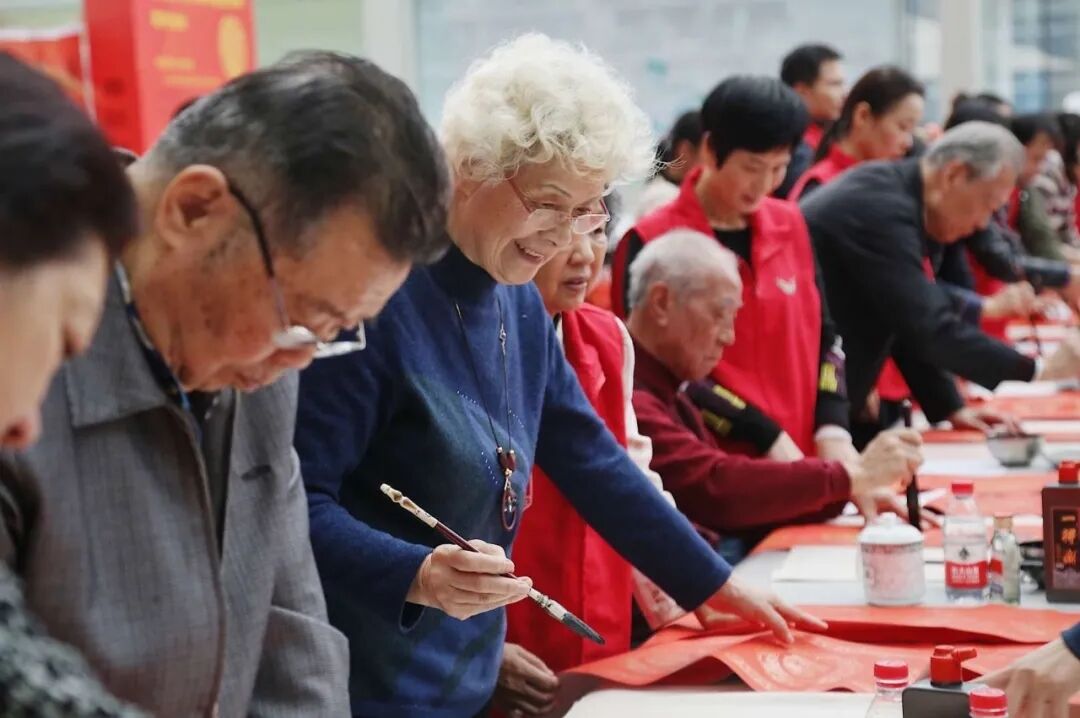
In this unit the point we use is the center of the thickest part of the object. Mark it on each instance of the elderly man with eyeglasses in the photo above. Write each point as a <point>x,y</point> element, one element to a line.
<point>160,525</point>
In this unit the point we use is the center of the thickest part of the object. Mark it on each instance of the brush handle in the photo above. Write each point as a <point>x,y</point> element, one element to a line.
<point>553,608</point>
<point>913,509</point>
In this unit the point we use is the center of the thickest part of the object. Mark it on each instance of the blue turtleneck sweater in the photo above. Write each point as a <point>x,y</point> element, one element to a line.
<point>409,411</point>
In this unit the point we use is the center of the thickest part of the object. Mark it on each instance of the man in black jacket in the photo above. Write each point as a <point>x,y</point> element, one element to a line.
<point>879,231</point>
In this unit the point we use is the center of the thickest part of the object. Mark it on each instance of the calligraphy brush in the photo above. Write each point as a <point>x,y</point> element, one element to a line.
<point>551,607</point>
<point>914,511</point>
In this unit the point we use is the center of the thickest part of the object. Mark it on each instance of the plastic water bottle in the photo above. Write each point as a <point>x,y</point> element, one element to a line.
<point>965,548</point>
<point>1005,562</point>
<point>988,702</point>
<point>891,678</point>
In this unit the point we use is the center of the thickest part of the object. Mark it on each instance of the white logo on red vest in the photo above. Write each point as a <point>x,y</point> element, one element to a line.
<point>787,286</point>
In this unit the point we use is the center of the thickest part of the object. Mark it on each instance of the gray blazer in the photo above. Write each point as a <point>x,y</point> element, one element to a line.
<point>109,523</point>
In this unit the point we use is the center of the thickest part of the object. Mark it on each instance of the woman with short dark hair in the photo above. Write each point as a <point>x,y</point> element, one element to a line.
<point>66,209</point>
<point>877,122</point>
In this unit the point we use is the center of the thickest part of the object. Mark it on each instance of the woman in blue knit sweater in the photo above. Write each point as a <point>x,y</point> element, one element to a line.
<point>464,388</point>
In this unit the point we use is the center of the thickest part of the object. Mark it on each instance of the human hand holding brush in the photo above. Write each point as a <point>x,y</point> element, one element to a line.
<point>467,595</point>
<point>463,584</point>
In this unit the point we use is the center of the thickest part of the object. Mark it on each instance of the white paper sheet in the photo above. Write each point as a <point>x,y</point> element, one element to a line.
<point>695,703</point>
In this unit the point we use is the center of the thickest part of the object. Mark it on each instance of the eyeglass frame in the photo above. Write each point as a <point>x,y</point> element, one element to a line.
<point>559,216</point>
<point>291,336</point>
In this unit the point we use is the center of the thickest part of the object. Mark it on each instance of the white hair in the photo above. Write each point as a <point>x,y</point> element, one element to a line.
<point>984,148</point>
<point>682,259</point>
<point>535,99</point>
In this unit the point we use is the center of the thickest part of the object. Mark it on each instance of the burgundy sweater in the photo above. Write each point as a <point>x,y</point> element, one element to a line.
<point>726,493</point>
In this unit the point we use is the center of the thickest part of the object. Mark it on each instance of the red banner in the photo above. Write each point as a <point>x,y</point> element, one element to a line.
<point>57,53</point>
<point>149,57</point>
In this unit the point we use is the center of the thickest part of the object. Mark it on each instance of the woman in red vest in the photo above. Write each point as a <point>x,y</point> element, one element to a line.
<point>787,360</point>
<point>554,545</point>
<point>877,122</point>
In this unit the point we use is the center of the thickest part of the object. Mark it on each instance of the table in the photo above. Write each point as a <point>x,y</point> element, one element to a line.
<point>731,698</point>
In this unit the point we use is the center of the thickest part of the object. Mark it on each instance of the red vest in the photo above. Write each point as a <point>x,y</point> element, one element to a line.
<point>554,546</point>
<point>775,361</point>
<point>824,171</point>
<point>813,135</point>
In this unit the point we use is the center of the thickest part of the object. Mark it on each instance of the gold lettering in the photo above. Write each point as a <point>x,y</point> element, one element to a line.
<point>168,20</point>
<point>217,4</point>
<point>197,82</point>
<point>170,63</point>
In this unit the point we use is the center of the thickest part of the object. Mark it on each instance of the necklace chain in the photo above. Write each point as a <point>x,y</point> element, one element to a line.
<point>479,387</point>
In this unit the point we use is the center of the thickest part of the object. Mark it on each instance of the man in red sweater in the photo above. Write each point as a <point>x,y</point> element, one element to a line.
<point>684,292</point>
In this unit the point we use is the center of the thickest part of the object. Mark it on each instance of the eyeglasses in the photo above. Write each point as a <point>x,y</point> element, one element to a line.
<point>544,218</point>
<point>292,336</point>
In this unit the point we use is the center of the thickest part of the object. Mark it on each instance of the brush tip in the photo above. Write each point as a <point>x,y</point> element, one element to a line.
<point>582,629</point>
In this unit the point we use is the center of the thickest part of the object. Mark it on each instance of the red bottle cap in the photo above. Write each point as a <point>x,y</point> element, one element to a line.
<point>891,671</point>
<point>985,698</point>
<point>946,665</point>
<point>963,488</point>
<point>1069,472</point>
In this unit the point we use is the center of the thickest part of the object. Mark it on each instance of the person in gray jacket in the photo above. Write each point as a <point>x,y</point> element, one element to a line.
<point>160,524</point>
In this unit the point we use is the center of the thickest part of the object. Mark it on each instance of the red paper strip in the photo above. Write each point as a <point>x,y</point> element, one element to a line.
<point>788,537</point>
<point>842,659</point>
<point>952,436</point>
<point>913,624</point>
<point>814,663</point>
<point>1065,405</point>
<point>1017,494</point>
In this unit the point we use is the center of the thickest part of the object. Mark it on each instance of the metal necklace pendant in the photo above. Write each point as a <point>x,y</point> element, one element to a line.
<point>507,460</point>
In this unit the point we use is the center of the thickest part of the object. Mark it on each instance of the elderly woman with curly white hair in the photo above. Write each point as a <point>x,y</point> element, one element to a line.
<point>464,387</point>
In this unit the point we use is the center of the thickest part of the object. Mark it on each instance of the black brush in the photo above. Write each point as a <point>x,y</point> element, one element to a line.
<point>914,511</point>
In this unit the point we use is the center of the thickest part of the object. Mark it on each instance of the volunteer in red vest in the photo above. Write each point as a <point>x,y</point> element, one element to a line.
<point>555,547</point>
<point>816,73</point>
<point>686,292</point>
<point>788,360</point>
<point>877,122</point>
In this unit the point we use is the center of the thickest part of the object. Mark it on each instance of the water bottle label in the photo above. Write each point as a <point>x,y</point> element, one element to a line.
<point>965,575</point>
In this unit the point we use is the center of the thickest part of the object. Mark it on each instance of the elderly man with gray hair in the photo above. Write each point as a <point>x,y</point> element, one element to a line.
<point>160,525</point>
<point>879,232</point>
<point>684,294</point>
